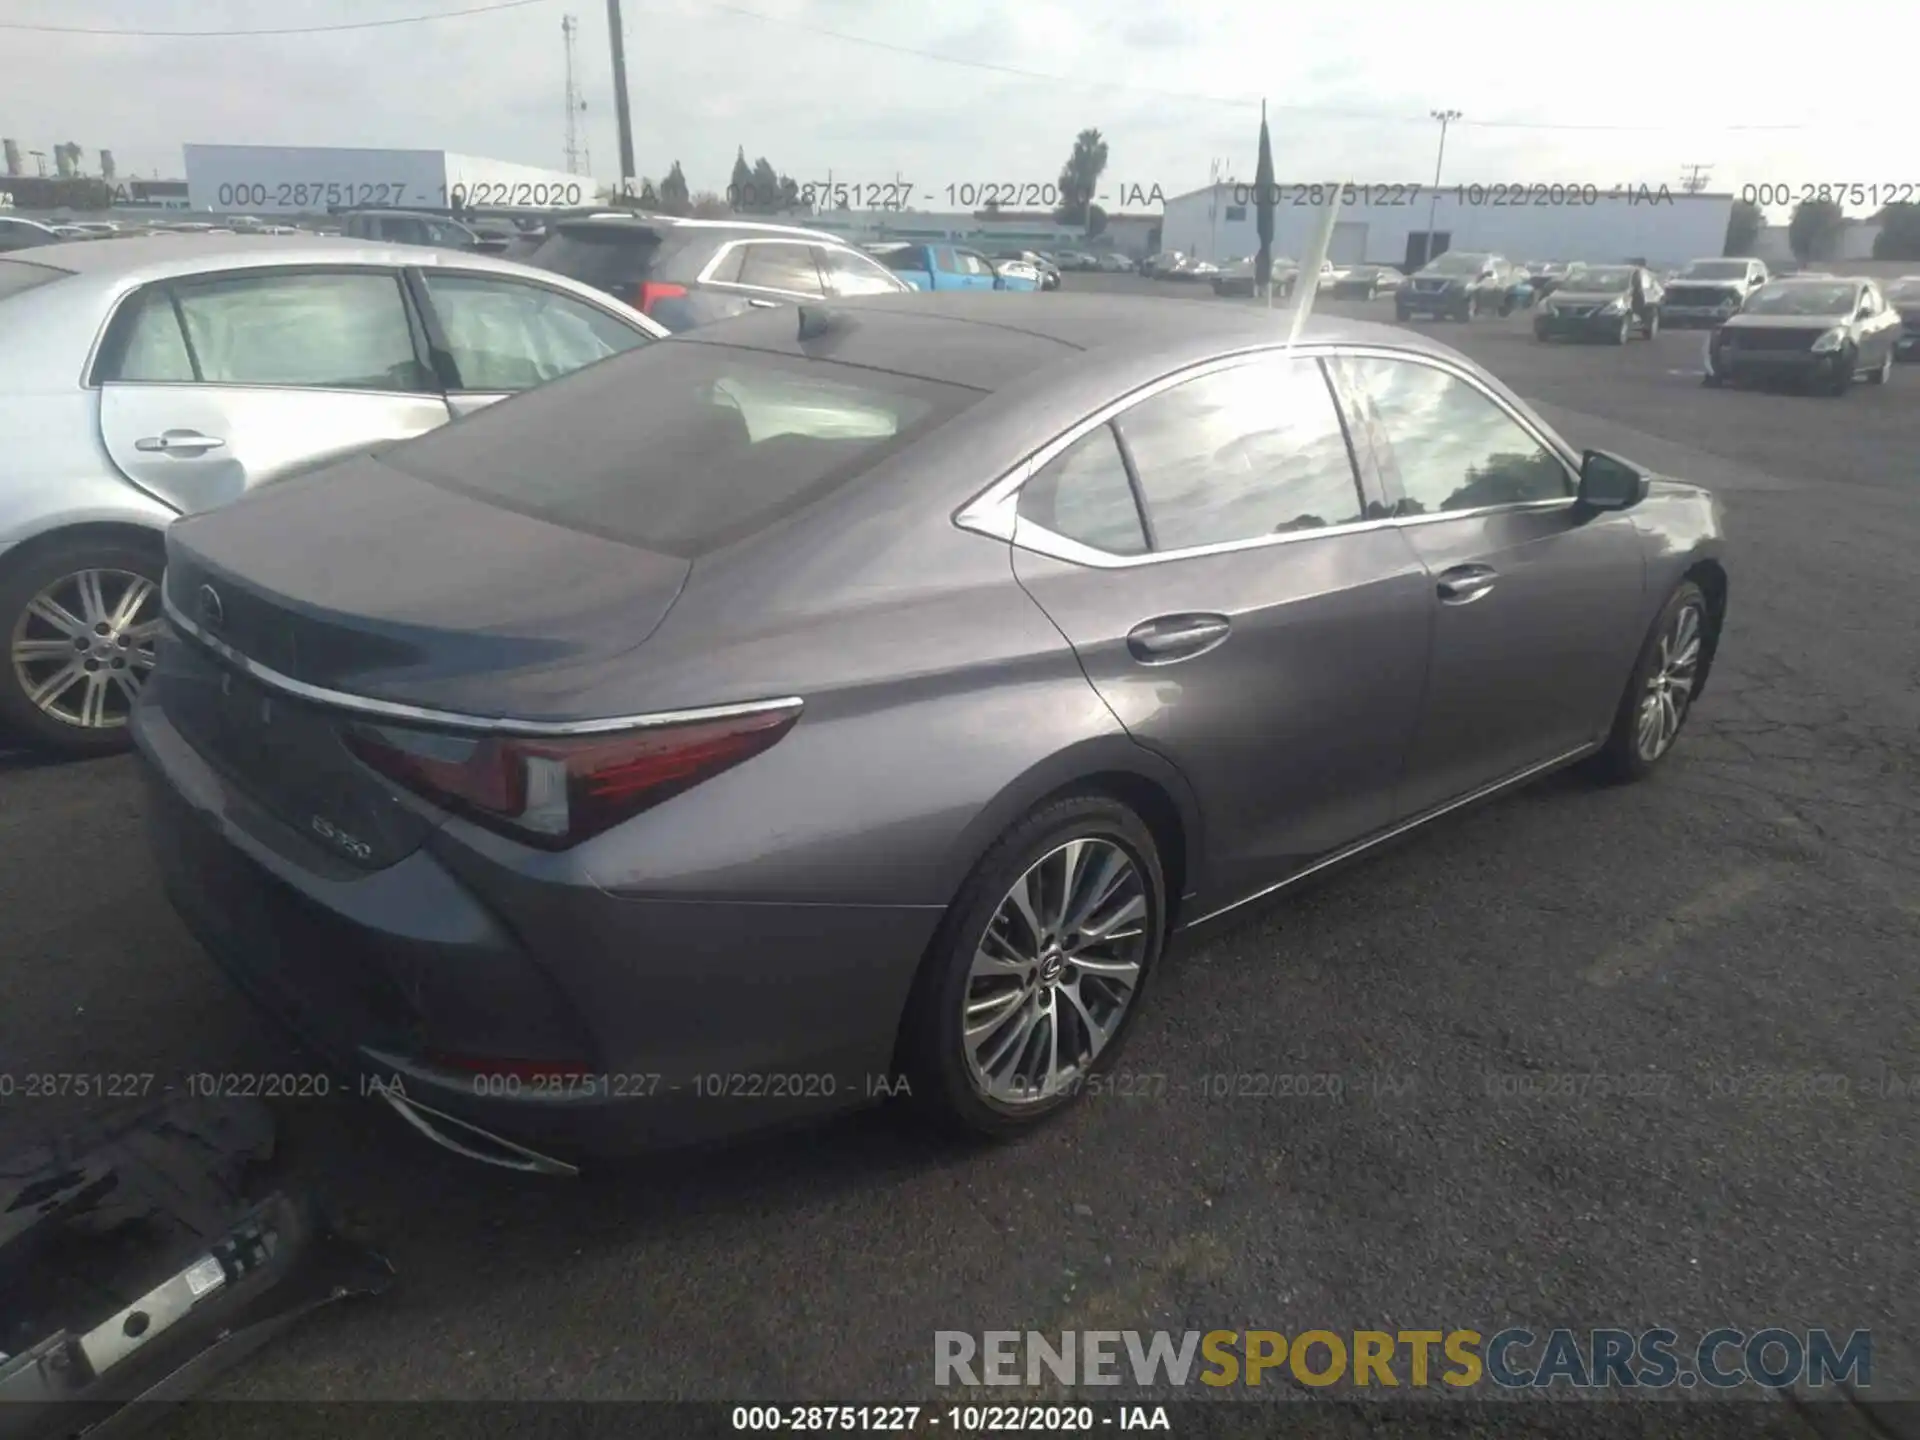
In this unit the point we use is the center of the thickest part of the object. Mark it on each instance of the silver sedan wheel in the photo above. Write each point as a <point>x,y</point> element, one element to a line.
<point>83,646</point>
<point>1055,972</point>
<point>1670,687</point>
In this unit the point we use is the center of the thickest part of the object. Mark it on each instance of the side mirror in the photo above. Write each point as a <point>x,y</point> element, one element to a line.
<point>1609,483</point>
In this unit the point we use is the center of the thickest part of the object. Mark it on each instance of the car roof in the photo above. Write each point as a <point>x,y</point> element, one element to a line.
<point>650,221</point>
<point>160,257</point>
<point>990,341</point>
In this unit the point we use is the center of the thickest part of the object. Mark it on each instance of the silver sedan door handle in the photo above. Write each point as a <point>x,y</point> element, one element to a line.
<point>1465,583</point>
<point>1168,638</point>
<point>178,442</point>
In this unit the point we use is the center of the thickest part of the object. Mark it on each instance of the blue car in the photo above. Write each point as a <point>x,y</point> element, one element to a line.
<point>953,267</point>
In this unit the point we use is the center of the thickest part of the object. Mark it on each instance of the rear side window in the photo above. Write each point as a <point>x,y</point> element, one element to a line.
<point>338,331</point>
<point>911,258</point>
<point>849,272</point>
<point>1083,493</point>
<point>781,266</point>
<point>682,448</point>
<point>615,258</point>
<point>146,344</point>
<point>17,277</point>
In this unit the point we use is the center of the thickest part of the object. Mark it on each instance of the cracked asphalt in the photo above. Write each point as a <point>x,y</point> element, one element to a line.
<point>1587,1057</point>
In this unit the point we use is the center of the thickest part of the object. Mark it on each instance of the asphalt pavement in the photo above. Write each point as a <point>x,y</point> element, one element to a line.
<point>1726,954</point>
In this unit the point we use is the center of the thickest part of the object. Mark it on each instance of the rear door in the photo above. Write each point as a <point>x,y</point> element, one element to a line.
<point>500,336</point>
<point>212,385</point>
<point>1264,626</point>
<point>1530,600</point>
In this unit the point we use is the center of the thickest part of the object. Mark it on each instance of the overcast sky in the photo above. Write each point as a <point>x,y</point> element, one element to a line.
<point>1173,85</point>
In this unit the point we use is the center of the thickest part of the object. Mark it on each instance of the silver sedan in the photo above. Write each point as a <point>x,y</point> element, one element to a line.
<point>143,379</point>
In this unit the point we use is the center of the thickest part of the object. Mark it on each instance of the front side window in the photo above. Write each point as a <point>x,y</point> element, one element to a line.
<point>1451,445</point>
<point>1246,452</point>
<point>337,331</point>
<point>505,335</point>
<point>779,266</point>
<point>1083,494</point>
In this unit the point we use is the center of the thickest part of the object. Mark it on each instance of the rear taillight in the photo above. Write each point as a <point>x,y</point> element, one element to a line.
<point>649,293</point>
<point>554,793</point>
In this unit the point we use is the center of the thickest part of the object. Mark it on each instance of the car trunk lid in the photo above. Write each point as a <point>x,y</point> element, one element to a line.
<point>362,582</point>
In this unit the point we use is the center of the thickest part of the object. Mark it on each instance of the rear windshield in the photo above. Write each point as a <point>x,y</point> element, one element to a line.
<point>681,448</point>
<point>17,276</point>
<point>608,257</point>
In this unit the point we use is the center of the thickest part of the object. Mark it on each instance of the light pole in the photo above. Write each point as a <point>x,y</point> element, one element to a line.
<point>1446,118</point>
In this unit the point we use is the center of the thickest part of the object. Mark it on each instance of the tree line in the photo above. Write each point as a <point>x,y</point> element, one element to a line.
<point>1815,227</point>
<point>760,188</point>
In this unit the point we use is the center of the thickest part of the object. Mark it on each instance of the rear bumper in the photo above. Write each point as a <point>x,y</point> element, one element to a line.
<point>662,1022</point>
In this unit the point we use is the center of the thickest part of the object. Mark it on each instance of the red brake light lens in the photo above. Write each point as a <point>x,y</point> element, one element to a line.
<point>649,293</point>
<point>554,793</point>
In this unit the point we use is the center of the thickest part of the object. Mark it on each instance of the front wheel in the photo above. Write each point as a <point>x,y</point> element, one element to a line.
<point>79,619</point>
<point>1036,974</point>
<point>1842,380</point>
<point>1660,694</point>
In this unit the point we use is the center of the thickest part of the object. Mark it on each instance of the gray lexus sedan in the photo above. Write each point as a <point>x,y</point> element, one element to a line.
<point>854,698</point>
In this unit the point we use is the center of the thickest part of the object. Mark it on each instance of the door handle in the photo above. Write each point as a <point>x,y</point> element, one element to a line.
<point>764,304</point>
<point>178,442</point>
<point>1168,638</point>
<point>1465,583</point>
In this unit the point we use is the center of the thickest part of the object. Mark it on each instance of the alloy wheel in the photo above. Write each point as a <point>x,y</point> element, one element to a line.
<point>83,646</point>
<point>1055,973</point>
<point>1669,691</point>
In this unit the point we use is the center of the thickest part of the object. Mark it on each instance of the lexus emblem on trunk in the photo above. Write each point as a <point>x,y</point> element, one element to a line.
<point>212,612</point>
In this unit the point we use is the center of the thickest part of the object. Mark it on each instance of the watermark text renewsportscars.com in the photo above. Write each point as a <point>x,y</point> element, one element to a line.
<point>1508,1359</point>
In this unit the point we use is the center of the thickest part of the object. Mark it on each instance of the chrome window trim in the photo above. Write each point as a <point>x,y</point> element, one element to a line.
<point>994,512</point>
<point>454,720</point>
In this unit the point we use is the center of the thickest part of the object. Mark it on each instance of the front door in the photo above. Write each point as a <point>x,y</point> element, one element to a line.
<point>1527,591</point>
<point>1240,606</point>
<point>213,385</point>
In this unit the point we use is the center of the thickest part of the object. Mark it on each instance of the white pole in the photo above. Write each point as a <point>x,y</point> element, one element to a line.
<point>1307,287</point>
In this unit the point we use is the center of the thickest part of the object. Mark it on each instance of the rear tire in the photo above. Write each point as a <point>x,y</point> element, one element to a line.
<point>96,609</point>
<point>1659,693</point>
<point>986,960</point>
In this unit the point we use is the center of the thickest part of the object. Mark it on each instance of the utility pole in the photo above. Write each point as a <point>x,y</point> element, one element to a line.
<point>620,111</point>
<point>1694,178</point>
<point>1446,118</point>
<point>568,28</point>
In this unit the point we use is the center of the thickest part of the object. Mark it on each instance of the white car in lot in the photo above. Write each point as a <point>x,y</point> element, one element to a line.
<point>154,377</point>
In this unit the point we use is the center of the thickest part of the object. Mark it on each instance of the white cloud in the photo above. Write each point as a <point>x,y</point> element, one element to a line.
<point>705,79</point>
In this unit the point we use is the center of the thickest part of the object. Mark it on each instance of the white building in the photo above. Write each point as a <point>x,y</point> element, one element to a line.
<point>311,180</point>
<point>1389,224</point>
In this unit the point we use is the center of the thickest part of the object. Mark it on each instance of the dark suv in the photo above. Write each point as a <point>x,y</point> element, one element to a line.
<point>412,227</point>
<point>684,273</point>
